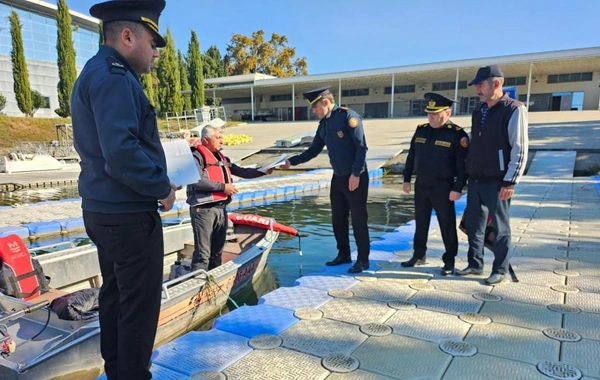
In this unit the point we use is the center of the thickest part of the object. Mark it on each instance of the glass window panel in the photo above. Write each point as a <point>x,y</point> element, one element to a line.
<point>586,76</point>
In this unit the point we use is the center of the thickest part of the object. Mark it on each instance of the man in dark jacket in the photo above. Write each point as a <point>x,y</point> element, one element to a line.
<point>209,197</point>
<point>341,130</point>
<point>437,152</point>
<point>123,178</point>
<point>495,163</point>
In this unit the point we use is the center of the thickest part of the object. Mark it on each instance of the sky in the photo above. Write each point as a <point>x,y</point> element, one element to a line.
<point>337,36</point>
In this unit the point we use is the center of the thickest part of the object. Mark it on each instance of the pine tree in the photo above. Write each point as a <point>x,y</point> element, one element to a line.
<point>185,84</point>
<point>19,67</point>
<point>148,86</point>
<point>195,71</point>
<point>67,73</point>
<point>169,90</point>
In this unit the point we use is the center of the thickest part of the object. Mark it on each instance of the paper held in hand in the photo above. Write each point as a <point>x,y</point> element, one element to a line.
<point>273,164</point>
<point>181,166</point>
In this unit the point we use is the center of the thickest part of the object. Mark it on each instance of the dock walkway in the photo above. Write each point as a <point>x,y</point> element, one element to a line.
<point>398,323</point>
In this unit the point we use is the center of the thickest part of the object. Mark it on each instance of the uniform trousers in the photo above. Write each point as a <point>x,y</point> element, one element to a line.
<point>345,202</point>
<point>130,253</point>
<point>210,231</point>
<point>483,197</point>
<point>433,195</point>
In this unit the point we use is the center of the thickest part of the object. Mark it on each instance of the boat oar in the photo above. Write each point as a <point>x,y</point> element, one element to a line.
<point>26,310</point>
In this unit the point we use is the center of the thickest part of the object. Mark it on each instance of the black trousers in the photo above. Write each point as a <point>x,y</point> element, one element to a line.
<point>345,202</point>
<point>434,195</point>
<point>130,253</point>
<point>483,197</point>
<point>210,231</point>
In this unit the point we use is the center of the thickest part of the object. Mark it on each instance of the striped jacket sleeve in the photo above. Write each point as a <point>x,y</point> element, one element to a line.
<point>519,142</point>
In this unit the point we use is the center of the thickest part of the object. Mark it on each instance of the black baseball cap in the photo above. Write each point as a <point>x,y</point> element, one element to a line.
<point>485,72</point>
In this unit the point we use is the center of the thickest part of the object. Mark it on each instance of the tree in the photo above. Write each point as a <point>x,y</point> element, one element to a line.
<point>67,72</point>
<point>2,102</point>
<point>19,67</point>
<point>38,101</point>
<point>169,90</point>
<point>256,55</point>
<point>212,63</point>
<point>185,84</point>
<point>148,87</point>
<point>100,34</point>
<point>195,67</point>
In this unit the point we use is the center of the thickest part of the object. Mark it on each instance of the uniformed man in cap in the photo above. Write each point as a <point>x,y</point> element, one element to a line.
<point>437,154</point>
<point>342,131</point>
<point>123,178</point>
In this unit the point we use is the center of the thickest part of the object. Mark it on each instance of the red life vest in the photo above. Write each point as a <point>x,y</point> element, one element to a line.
<point>20,276</point>
<point>214,169</point>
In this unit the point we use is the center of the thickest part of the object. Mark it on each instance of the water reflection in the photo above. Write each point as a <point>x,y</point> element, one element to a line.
<point>388,208</point>
<point>24,196</point>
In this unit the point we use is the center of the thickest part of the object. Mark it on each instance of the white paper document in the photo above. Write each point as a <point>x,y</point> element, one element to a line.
<point>181,166</point>
<point>276,162</point>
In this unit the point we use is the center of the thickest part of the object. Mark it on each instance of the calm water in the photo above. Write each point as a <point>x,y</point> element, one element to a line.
<point>388,208</point>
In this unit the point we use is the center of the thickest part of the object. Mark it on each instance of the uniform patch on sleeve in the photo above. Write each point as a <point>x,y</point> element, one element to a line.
<point>340,134</point>
<point>464,142</point>
<point>353,122</point>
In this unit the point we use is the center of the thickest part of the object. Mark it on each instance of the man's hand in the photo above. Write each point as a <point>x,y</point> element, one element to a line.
<point>454,196</point>
<point>287,165</point>
<point>506,192</point>
<point>269,171</point>
<point>353,182</point>
<point>406,187</point>
<point>166,204</point>
<point>230,189</point>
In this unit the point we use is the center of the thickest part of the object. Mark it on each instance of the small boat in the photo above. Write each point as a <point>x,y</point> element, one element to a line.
<point>36,344</point>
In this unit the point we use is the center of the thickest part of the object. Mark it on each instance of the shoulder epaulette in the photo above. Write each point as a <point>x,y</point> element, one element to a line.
<point>422,125</point>
<point>453,126</point>
<point>116,67</point>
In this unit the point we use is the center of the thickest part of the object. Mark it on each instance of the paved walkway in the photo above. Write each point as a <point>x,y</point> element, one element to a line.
<point>394,323</point>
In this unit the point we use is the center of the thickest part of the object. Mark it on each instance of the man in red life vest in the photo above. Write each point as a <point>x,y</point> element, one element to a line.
<point>209,197</point>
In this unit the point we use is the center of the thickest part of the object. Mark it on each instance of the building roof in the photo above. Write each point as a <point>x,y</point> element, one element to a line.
<point>544,63</point>
<point>51,9</point>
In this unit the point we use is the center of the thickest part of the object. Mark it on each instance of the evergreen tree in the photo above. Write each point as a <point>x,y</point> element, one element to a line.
<point>148,87</point>
<point>185,84</point>
<point>195,71</point>
<point>213,64</point>
<point>19,67</point>
<point>169,90</point>
<point>2,103</point>
<point>67,73</point>
<point>38,101</point>
<point>100,34</point>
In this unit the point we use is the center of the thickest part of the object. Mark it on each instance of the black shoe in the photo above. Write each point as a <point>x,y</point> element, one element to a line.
<point>414,261</point>
<point>447,269</point>
<point>339,260</point>
<point>358,267</point>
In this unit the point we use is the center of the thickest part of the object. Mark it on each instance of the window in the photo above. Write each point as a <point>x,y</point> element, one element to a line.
<point>402,89</point>
<point>236,100</point>
<point>356,92</point>
<point>441,86</point>
<point>570,77</point>
<point>281,98</point>
<point>515,81</point>
<point>418,107</point>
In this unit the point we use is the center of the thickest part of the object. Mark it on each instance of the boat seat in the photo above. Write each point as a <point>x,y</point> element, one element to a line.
<point>49,296</point>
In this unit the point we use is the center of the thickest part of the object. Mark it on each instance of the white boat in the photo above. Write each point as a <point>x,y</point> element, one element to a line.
<point>71,349</point>
<point>18,163</point>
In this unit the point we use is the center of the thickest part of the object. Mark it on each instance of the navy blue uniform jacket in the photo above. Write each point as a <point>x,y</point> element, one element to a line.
<point>344,136</point>
<point>123,166</point>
